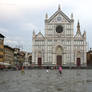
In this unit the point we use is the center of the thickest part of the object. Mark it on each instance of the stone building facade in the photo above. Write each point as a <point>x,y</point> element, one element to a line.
<point>59,45</point>
<point>19,57</point>
<point>89,58</point>
<point>8,55</point>
<point>1,48</point>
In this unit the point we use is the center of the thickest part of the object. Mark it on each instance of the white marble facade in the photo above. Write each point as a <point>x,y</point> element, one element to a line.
<point>59,44</point>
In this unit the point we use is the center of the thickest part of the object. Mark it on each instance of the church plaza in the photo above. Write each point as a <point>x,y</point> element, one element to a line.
<point>38,80</point>
<point>59,46</point>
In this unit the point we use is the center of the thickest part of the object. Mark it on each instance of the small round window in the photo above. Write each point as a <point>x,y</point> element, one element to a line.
<point>59,29</point>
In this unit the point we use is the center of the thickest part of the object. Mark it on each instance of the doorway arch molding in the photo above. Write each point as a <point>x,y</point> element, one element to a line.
<point>58,53</point>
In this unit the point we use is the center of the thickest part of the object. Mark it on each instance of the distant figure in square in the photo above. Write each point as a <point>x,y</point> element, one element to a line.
<point>47,69</point>
<point>22,70</point>
<point>60,69</point>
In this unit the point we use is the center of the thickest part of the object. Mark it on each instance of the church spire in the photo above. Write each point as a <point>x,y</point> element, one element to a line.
<point>59,8</point>
<point>78,28</point>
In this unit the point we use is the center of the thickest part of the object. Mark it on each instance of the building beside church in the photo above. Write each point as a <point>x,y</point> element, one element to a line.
<point>8,55</point>
<point>89,58</point>
<point>59,45</point>
<point>2,47</point>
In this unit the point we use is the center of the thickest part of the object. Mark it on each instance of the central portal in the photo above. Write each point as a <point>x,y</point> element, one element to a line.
<point>59,55</point>
<point>39,61</point>
<point>78,62</point>
<point>59,60</point>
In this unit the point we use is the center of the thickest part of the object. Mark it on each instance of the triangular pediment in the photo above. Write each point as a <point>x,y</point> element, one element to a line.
<point>78,36</point>
<point>39,36</point>
<point>59,17</point>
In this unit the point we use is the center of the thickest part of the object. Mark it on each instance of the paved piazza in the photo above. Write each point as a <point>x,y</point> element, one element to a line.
<point>41,81</point>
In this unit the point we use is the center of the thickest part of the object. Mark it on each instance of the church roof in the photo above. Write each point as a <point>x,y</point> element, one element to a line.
<point>40,36</point>
<point>2,36</point>
<point>78,37</point>
<point>61,13</point>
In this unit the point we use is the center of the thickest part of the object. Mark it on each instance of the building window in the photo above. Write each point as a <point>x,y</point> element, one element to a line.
<point>1,56</point>
<point>59,29</point>
<point>1,49</point>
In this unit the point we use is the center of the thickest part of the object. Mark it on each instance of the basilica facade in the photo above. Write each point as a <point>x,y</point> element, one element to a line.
<point>59,45</point>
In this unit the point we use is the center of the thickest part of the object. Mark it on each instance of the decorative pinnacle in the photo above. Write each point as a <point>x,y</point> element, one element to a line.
<point>59,8</point>
<point>71,15</point>
<point>33,32</point>
<point>78,28</point>
<point>78,24</point>
<point>84,34</point>
<point>46,16</point>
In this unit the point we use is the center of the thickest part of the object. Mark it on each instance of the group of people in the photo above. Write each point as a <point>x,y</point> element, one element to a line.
<point>59,69</point>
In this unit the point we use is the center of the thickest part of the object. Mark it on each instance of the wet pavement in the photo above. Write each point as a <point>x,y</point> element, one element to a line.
<point>40,81</point>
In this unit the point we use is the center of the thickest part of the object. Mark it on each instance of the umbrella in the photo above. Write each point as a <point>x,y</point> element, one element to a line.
<point>7,64</point>
<point>3,63</point>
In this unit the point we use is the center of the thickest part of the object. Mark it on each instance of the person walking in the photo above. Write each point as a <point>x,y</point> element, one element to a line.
<point>47,69</point>
<point>22,70</point>
<point>60,69</point>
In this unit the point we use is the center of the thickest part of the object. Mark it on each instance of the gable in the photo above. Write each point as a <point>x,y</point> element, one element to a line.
<point>78,36</point>
<point>39,36</point>
<point>59,17</point>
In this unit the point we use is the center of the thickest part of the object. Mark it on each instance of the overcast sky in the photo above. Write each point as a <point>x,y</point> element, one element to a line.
<point>18,18</point>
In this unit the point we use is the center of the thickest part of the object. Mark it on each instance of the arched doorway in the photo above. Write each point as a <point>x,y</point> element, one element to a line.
<point>39,59</point>
<point>59,60</point>
<point>78,60</point>
<point>59,51</point>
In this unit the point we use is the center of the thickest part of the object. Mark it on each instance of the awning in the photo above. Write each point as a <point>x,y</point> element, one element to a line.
<point>3,63</point>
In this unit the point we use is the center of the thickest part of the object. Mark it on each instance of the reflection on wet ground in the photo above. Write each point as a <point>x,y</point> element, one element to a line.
<point>41,81</point>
